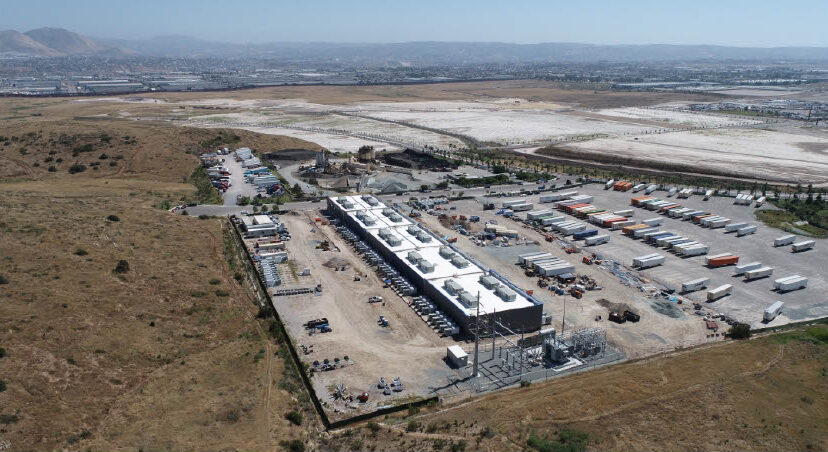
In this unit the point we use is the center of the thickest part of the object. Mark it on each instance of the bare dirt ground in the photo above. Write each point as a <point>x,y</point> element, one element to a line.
<point>373,351</point>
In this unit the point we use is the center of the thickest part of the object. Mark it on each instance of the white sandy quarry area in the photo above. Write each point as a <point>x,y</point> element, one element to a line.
<point>512,127</point>
<point>331,122</point>
<point>331,142</point>
<point>745,152</point>
<point>678,117</point>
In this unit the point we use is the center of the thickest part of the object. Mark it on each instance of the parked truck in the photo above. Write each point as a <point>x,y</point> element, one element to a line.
<point>761,272</point>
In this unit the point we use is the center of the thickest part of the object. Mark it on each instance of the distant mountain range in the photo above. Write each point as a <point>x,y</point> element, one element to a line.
<point>59,42</point>
<point>56,42</point>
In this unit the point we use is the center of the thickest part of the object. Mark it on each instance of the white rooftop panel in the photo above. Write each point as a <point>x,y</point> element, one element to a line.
<point>442,268</point>
<point>489,301</point>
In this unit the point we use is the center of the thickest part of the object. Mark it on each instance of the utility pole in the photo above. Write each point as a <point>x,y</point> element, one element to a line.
<point>563,319</point>
<point>477,338</point>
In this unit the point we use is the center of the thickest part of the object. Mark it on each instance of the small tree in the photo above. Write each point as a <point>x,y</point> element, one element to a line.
<point>740,331</point>
<point>122,267</point>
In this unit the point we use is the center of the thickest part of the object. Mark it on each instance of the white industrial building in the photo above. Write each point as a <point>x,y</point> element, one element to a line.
<point>259,226</point>
<point>457,284</point>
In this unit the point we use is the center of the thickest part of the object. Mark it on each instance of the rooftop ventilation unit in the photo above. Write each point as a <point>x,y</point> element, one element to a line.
<point>453,287</point>
<point>489,282</point>
<point>505,293</point>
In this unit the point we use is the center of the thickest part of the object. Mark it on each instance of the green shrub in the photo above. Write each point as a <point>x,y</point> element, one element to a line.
<point>81,252</point>
<point>3,280</point>
<point>293,445</point>
<point>2,352</point>
<point>77,168</point>
<point>215,282</point>
<point>566,441</point>
<point>52,169</point>
<point>222,293</point>
<point>2,386</point>
<point>113,218</point>
<point>739,331</point>
<point>122,267</point>
<point>412,426</point>
<point>294,417</point>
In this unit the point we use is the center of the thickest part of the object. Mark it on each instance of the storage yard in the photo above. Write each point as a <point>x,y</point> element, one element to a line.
<point>641,240</point>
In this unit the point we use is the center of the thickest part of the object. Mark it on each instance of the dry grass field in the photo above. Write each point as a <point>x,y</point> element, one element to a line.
<point>166,355</point>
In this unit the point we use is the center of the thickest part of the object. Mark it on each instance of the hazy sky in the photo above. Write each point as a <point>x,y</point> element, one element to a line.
<point>726,22</point>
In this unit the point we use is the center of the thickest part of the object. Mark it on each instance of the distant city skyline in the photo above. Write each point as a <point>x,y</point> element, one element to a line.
<point>727,23</point>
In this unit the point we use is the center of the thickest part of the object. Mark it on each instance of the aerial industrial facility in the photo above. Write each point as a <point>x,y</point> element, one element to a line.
<point>439,271</point>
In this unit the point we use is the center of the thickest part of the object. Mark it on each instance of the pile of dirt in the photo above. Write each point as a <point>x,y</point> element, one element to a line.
<point>336,262</point>
<point>615,307</point>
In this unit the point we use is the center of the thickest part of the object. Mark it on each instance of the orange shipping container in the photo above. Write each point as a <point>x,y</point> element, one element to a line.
<point>698,218</point>
<point>629,229</point>
<point>722,261</point>
<point>574,206</point>
<point>668,207</point>
<point>638,200</point>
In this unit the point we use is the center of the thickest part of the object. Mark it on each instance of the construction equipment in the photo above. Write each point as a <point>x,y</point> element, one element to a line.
<point>383,322</point>
<point>587,260</point>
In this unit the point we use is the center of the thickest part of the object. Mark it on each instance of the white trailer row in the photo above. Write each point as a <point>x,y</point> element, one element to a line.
<point>553,197</point>
<point>743,200</point>
<point>714,222</point>
<point>537,214</point>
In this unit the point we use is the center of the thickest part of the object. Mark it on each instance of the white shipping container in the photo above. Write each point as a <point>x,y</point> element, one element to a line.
<point>638,233</point>
<point>597,239</point>
<point>609,184</point>
<point>790,283</point>
<point>773,311</point>
<point>734,226</point>
<point>650,189</point>
<point>784,240</point>
<point>760,272</point>
<point>654,221</point>
<point>667,240</point>
<point>746,230</point>
<point>741,269</point>
<point>625,213</point>
<point>720,223</point>
<point>522,207</point>
<point>652,262</point>
<point>639,187</point>
<point>696,250</point>
<point>802,246</point>
<point>695,284</point>
<point>621,224</point>
<point>719,292</point>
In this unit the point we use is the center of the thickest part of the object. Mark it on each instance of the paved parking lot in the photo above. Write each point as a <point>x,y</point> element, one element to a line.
<point>237,185</point>
<point>749,299</point>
